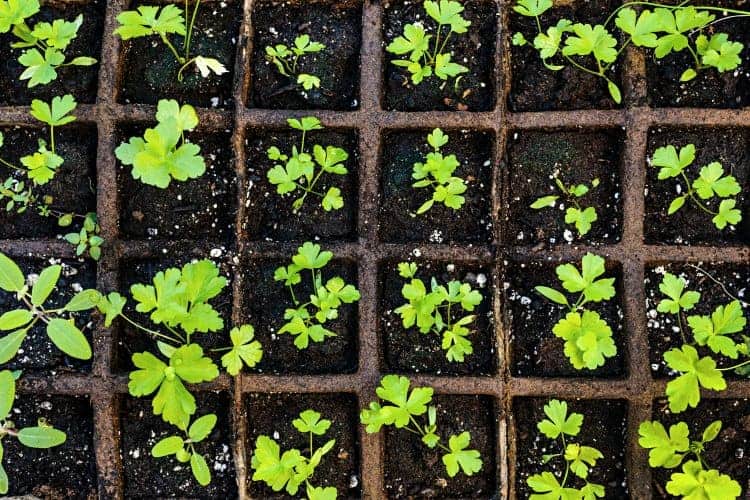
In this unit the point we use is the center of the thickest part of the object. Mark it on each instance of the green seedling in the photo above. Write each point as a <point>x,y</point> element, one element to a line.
<point>289,470</point>
<point>163,153</point>
<point>286,60</point>
<point>712,184</point>
<point>301,171</point>
<point>431,311</point>
<point>163,22</point>
<point>44,45</point>
<point>305,321</point>
<point>401,413</point>
<point>436,173</point>
<point>579,459</point>
<point>670,449</point>
<point>588,338</point>
<point>184,448</point>
<point>581,217</point>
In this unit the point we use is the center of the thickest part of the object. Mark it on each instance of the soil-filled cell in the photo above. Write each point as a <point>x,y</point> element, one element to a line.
<point>337,25</point>
<point>537,158</point>
<point>409,350</point>
<point>399,201</point>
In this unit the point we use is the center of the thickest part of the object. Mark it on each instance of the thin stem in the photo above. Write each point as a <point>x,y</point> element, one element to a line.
<point>583,68</point>
<point>437,42</point>
<point>624,46</point>
<point>445,41</point>
<point>723,287</point>
<point>183,67</point>
<point>682,332</point>
<point>149,331</point>
<point>738,365</point>
<point>177,56</point>
<point>12,167</point>
<point>190,30</point>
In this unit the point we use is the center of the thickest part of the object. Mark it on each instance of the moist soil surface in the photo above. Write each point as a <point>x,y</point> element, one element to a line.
<point>690,225</point>
<point>535,350</point>
<point>37,352</point>
<point>272,415</point>
<point>264,304</point>
<point>412,470</point>
<point>577,157</point>
<point>604,428</point>
<point>409,351</point>
<point>148,69</point>
<point>335,24</point>
<point>399,201</point>
<point>73,188</point>
<point>536,88</point>
<point>132,340</point>
<point>664,330</point>
<point>65,471</point>
<point>724,453</point>
<point>475,91</point>
<point>79,81</point>
<point>149,477</point>
<point>270,215</point>
<point>202,208</point>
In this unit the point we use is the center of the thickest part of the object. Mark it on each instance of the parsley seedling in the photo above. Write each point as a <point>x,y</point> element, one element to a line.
<point>426,55</point>
<point>163,153</point>
<point>45,43</point>
<point>298,169</point>
<point>579,459</point>
<point>711,184</point>
<point>669,450</point>
<point>437,173</point>
<point>170,20</point>
<point>43,435</point>
<point>431,312</point>
<point>184,448</point>
<point>288,471</point>
<point>581,217</point>
<point>286,60</point>
<point>306,320</point>
<point>588,338</point>
<point>401,412</point>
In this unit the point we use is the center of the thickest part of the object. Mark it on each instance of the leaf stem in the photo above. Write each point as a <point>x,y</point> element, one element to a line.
<point>192,26</point>
<point>149,331</point>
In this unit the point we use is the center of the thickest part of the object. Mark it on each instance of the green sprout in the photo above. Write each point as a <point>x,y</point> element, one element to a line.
<point>581,217</point>
<point>301,171</point>
<point>184,448</point>
<point>286,60</point>
<point>437,173</point>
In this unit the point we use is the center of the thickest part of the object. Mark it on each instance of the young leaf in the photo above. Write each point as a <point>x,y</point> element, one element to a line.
<point>11,277</point>
<point>695,373</point>
<point>395,389</point>
<point>671,164</point>
<point>276,470</point>
<point>244,349</point>
<point>45,284</point>
<point>310,421</point>
<point>147,20</point>
<point>68,338</point>
<point>309,256</point>
<point>167,446</point>
<point>679,300</point>
<point>712,181</point>
<point>13,12</point>
<point>532,8</point>
<point>695,482</point>
<point>7,393</point>
<point>727,214</point>
<point>596,41</point>
<point>581,458</point>
<point>57,114</point>
<point>447,12</point>
<point>459,457</point>
<point>40,68</point>
<point>42,436</point>
<point>559,422</point>
<point>202,427</point>
<point>714,331</point>
<point>666,450</point>
<point>15,319</point>
<point>10,344</point>
<point>200,469</point>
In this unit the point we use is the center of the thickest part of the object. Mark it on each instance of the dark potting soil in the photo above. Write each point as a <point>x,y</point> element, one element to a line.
<point>399,201</point>
<point>475,49</point>
<point>337,24</point>
<point>536,88</point>
<point>727,453</point>
<point>534,157</point>
<point>409,351</point>
<point>664,330</point>
<point>710,89</point>
<point>37,351</point>
<point>65,471</point>
<point>149,477</point>
<point>270,215</point>
<point>202,208</point>
<point>690,225</point>
<point>604,428</point>
<point>79,81</point>
<point>264,303</point>
<point>272,415</point>
<point>132,340</point>
<point>73,188</point>
<point>148,69</point>
<point>535,350</point>
<point>412,470</point>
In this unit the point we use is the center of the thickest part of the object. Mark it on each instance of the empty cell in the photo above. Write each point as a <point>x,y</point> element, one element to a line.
<point>555,163</point>
<point>400,202</point>
<point>336,25</point>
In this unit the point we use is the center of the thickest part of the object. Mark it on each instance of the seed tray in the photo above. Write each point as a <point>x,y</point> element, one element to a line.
<point>637,390</point>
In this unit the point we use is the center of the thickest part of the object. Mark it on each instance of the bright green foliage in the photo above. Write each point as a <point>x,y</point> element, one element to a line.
<point>437,174</point>
<point>87,239</point>
<point>401,413</point>
<point>715,331</point>
<point>244,350</point>
<point>579,459</point>
<point>163,154</point>
<point>678,299</point>
<point>288,471</point>
<point>695,372</point>
<point>286,60</point>
<point>435,311</point>
<point>426,54</point>
<point>301,171</point>
<point>581,217</point>
<point>668,450</point>
<point>306,320</point>
<point>588,338</point>
<point>184,449</point>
